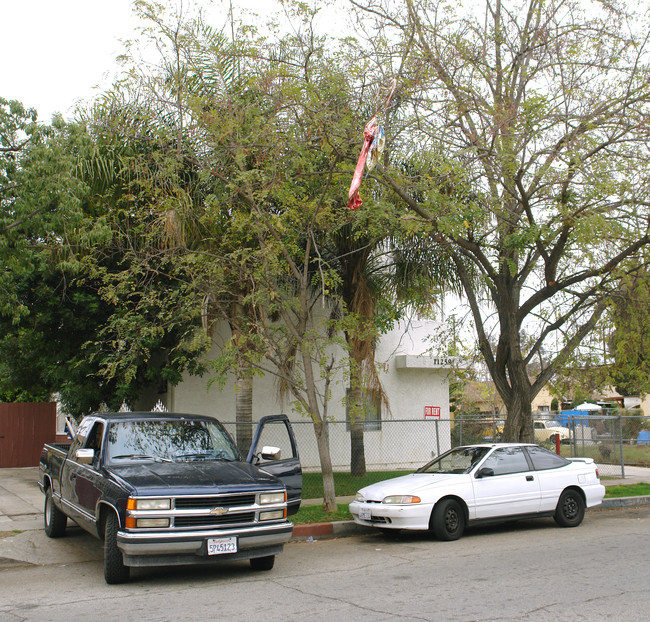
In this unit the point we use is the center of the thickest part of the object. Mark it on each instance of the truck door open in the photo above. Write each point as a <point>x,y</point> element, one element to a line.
<point>276,431</point>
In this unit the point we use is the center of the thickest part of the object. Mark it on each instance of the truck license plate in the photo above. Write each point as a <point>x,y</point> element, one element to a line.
<point>365,513</point>
<point>219,546</point>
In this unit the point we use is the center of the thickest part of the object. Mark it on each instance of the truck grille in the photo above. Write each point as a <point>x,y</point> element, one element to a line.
<point>225,501</point>
<point>212,521</point>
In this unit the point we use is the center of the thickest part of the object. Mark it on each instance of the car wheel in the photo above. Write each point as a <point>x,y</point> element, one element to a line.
<point>552,439</point>
<point>262,563</point>
<point>55,520</point>
<point>114,569</point>
<point>570,509</point>
<point>447,520</point>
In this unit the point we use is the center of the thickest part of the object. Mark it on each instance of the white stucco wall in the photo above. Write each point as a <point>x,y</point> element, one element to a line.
<point>406,439</point>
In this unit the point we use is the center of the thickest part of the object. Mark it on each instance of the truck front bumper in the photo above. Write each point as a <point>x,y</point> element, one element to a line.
<point>190,547</point>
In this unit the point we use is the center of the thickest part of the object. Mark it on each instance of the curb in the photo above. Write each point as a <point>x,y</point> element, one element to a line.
<point>340,529</point>
<point>625,502</point>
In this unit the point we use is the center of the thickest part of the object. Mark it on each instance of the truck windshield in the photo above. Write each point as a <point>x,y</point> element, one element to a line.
<point>168,441</point>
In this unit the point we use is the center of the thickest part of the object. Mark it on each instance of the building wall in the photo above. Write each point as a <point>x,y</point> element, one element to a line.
<point>419,387</point>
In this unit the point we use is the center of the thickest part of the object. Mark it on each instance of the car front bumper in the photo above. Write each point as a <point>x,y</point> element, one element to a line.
<point>389,516</point>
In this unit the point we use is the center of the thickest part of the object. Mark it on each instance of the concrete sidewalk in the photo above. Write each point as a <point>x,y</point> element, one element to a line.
<point>21,503</point>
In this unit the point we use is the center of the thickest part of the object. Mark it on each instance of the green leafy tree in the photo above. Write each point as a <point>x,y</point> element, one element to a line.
<point>629,343</point>
<point>539,109</point>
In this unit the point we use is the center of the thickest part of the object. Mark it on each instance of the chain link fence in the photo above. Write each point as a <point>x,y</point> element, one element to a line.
<point>613,441</point>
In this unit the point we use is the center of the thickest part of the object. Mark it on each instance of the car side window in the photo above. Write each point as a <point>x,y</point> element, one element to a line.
<point>543,459</point>
<point>507,460</point>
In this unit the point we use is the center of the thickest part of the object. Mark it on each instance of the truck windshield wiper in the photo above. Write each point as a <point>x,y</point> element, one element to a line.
<point>142,457</point>
<point>208,455</point>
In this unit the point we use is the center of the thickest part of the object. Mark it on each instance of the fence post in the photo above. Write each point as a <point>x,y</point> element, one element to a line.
<point>437,439</point>
<point>620,439</point>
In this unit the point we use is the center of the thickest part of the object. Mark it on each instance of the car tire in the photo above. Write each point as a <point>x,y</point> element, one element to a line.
<point>114,569</point>
<point>55,520</point>
<point>570,509</point>
<point>262,563</point>
<point>447,520</point>
<point>552,439</point>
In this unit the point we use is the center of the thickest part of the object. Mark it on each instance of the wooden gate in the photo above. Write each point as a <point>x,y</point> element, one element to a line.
<point>24,428</point>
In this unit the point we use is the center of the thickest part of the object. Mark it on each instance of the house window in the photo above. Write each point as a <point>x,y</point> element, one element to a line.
<point>372,414</point>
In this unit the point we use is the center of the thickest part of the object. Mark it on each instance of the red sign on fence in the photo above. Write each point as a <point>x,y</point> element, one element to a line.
<point>431,411</point>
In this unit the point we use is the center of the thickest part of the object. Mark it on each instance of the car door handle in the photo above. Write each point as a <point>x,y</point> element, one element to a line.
<point>529,478</point>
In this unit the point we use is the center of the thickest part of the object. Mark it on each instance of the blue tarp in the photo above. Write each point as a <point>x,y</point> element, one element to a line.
<point>569,418</point>
<point>644,437</point>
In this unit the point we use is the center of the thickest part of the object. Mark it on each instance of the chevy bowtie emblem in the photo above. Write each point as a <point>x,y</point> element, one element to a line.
<point>219,511</point>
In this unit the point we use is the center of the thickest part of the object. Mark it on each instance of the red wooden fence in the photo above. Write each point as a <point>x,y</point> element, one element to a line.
<point>24,428</point>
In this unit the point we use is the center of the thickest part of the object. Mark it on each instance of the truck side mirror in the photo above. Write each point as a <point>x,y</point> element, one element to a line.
<point>85,456</point>
<point>271,453</point>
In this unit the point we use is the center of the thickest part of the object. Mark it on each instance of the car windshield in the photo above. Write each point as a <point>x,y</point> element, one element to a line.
<point>458,460</point>
<point>178,440</point>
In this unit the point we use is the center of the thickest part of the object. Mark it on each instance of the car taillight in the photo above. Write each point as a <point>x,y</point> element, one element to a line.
<point>597,474</point>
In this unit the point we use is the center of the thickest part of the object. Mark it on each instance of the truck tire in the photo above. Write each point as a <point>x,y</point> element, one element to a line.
<point>55,520</point>
<point>263,563</point>
<point>114,569</point>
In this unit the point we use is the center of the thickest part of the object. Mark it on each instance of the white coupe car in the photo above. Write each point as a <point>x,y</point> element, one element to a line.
<point>482,483</point>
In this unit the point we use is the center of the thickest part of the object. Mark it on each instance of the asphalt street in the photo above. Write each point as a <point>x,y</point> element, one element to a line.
<point>530,571</point>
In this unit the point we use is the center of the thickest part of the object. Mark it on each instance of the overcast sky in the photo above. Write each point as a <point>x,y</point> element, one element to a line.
<point>55,51</point>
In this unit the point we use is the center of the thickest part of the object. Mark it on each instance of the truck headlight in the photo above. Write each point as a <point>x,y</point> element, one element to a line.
<point>267,498</point>
<point>401,499</point>
<point>273,515</point>
<point>148,504</point>
<point>152,522</point>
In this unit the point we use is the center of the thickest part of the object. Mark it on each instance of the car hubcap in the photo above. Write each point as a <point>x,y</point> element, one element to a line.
<point>451,520</point>
<point>570,507</point>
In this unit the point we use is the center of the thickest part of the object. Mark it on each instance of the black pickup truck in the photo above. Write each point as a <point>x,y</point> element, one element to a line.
<point>169,489</point>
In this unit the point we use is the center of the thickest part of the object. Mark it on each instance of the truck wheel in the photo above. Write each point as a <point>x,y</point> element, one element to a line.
<point>55,520</point>
<point>263,563</point>
<point>114,569</point>
<point>447,520</point>
<point>570,509</point>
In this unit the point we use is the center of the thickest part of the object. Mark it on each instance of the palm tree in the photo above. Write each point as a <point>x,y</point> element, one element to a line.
<point>382,271</point>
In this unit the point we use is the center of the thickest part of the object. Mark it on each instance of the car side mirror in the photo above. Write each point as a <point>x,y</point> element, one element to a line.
<point>484,472</point>
<point>85,456</point>
<point>271,453</point>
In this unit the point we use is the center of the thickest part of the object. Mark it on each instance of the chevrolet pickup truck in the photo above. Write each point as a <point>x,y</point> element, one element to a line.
<point>170,489</point>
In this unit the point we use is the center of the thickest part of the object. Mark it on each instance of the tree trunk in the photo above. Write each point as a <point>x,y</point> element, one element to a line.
<point>244,410</point>
<point>519,420</point>
<point>356,414</point>
<point>323,442</point>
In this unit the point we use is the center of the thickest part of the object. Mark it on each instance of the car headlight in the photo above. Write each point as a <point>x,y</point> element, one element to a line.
<point>148,504</point>
<point>359,497</point>
<point>272,497</point>
<point>401,499</point>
